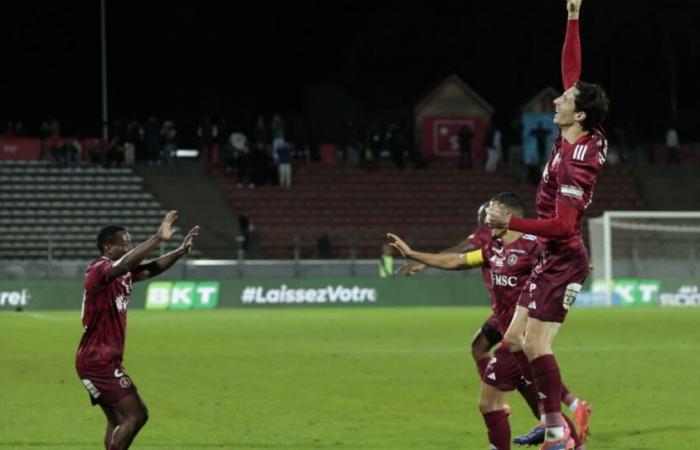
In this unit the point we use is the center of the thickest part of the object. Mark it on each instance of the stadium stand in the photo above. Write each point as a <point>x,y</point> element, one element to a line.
<point>53,212</point>
<point>432,208</point>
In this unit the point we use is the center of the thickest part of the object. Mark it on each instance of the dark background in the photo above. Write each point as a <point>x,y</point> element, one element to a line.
<point>186,60</point>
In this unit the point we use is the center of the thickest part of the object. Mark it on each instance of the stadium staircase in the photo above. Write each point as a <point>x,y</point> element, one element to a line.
<point>191,189</point>
<point>49,212</point>
<point>432,208</point>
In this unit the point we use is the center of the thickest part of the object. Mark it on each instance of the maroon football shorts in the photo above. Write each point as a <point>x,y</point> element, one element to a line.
<point>107,387</point>
<point>503,371</point>
<point>554,284</point>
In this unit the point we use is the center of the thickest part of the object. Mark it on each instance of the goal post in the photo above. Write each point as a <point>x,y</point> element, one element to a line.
<point>645,252</point>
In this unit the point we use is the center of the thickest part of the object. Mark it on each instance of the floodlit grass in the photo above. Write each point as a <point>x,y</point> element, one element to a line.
<point>356,378</point>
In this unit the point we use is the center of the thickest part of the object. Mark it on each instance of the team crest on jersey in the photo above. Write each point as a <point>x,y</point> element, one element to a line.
<point>121,303</point>
<point>512,259</point>
<point>125,382</point>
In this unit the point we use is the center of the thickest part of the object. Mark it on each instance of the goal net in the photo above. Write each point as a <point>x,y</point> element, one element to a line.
<point>646,257</point>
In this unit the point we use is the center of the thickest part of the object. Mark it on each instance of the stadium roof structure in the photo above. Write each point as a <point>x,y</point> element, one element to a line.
<point>542,101</point>
<point>445,98</point>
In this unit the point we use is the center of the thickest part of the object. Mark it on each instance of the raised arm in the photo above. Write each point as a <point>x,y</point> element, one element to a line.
<point>160,265</point>
<point>571,52</point>
<point>133,258</point>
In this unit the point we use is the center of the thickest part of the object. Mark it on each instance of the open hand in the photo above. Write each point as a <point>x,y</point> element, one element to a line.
<point>397,243</point>
<point>410,269</point>
<point>187,242</point>
<point>497,217</point>
<point>166,230</point>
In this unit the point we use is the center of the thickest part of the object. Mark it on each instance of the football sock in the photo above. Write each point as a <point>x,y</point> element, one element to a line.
<point>499,430</point>
<point>548,382</point>
<point>568,398</point>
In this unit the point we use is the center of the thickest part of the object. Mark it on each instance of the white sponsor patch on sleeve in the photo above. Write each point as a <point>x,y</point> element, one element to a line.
<point>571,191</point>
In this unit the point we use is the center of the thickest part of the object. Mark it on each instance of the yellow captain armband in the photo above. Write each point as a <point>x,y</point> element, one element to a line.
<point>475,258</point>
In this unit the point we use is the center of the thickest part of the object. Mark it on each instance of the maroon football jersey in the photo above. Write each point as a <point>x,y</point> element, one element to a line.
<point>479,238</point>
<point>510,266</point>
<point>569,177</point>
<point>104,317</point>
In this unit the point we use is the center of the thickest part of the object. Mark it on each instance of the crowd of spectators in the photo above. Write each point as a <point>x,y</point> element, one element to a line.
<point>266,151</point>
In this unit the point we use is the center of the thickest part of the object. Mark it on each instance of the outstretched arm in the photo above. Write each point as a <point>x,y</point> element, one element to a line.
<point>160,265</point>
<point>571,52</point>
<point>411,268</point>
<point>449,261</point>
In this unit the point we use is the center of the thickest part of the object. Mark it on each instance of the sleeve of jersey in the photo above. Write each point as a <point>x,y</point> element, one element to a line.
<point>96,279</point>
<point>571,55</point>
<point>562,225</point>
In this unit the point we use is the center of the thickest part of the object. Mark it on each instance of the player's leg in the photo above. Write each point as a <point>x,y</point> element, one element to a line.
<point>113,419</point>
<point>484,340</point>
<point>491,403</point>
<point>133,416</point>
<point>539,337</point>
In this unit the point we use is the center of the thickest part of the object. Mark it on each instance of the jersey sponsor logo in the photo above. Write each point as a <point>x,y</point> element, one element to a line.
<point>570,294</point>
<point>92,390</point>
<point>571,191</point>
<point>504,280</point>
<point>512,259</point>
<point>118,373</point>
<point>580,152</point>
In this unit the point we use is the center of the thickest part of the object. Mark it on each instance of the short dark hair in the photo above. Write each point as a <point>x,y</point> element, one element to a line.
<point>107,235</point>
<point>511,201</point>
<point>592,100</point>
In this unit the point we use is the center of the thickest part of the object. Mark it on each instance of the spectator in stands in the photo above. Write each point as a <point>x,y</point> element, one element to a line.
<point>223,136</point>
<point>239,158</point>
<point>465,137</point>
<point>541,134</point>
<point>672,144</point>
<point>170,138</point>
<point>277,129</point>
<point>352,145</point>
<point>260,133</point>
<point>374,142</point>
<point>153,140</point>
<point>386,262</point>
<point>394,140</point>
<point>494,147</point>
<point>73,151</point>
<point>132,136</point>
<point>9,131</point>
<point>284,165</point>
<point>301,145</point>
<point>114,157</point>
<point>207,134</point>
<point>314,141</point>
<point>44,134</point>
<point>94,150</point>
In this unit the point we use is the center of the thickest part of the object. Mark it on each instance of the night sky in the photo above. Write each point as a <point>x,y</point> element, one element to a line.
<point>241,59</point>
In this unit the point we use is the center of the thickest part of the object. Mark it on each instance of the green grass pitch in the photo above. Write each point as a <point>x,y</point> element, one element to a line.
<point>355,378</point>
